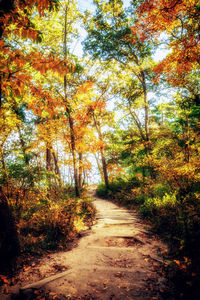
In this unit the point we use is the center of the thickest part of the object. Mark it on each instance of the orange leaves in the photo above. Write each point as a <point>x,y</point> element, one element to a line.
<point>114,171</point>
<point>42,5</point>
<point>178,18</point>
<point>43,103</point>
<point>159,16</point>
<point>20,19</point>
<point>183,264</point>
<point>50,63</point>
<point>4,279</point>
<point>15,64</point>
<point>96,106</point>
<point>85,87</point>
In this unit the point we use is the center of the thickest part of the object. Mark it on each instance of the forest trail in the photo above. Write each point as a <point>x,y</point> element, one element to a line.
<point>117,259</point>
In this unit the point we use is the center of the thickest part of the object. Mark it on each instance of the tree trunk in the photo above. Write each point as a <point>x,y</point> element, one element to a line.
<point>103,160</point>
<point>99,167</point>
<point>105,173</point>
<point>146,105</point>
<point>57,169</point>
<point>80,175</point>
<point>70,119</point>
<point>187,146</point>
<point>48,159</point>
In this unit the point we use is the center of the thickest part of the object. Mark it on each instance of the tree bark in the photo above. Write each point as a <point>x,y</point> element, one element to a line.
<point>99,167</point>
<point>146,106</point>
<point>57,169</point>
<point>68,110</point>
<point>187,138</point>
<point>48,159</point>
<point>104,165</point>
<point>80,175</point>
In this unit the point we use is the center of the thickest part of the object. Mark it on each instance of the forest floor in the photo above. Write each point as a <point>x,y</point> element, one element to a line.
<point>119,258</point>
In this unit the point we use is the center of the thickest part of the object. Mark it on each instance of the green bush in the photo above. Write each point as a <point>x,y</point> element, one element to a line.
<point>117,186</point>
<point>157,209</point>
<point>160,190</point>
<point>102,190</point>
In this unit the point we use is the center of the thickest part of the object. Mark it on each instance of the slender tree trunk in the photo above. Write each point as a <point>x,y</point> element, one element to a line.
<point>187,146</point>
<point>146,105</point>
<point>84,181</point>
<point>99,167</point>
<point>103,160</point>
<point>73,151</point>
<point>57,169</point>
<point>80,175</point>
<point>48,159</point>
<point>105,173</point>
<point>68,110</point>
<point>4,169</point>
<point>138,124</point>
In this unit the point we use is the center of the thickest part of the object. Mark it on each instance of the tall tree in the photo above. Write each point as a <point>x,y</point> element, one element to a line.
<point>109,38</point>
<point>68,110</point>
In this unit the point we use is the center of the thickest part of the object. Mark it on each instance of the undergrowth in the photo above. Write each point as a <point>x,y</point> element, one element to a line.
<point>49,219</point>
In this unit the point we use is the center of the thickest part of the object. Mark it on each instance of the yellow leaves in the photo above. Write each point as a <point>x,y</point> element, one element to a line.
<point>79,224</point>
<point>85,91</point>
<point>44,114</point>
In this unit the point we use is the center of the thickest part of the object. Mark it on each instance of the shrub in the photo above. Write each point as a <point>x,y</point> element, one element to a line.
<point>161,189</point>
<point>49,220</point>
<point>157,206</point>
<point>102,190</point>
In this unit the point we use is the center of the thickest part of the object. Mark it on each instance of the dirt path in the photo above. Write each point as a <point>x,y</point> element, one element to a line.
<point>117,259</point>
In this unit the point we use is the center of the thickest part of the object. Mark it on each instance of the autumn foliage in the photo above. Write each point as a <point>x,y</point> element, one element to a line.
<point>179,21</point>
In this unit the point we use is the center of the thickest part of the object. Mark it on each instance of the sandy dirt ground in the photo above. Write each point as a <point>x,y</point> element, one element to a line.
<point>119,258</point>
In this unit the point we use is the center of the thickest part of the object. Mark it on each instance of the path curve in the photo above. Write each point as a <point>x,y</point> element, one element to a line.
<point>117,259</point>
